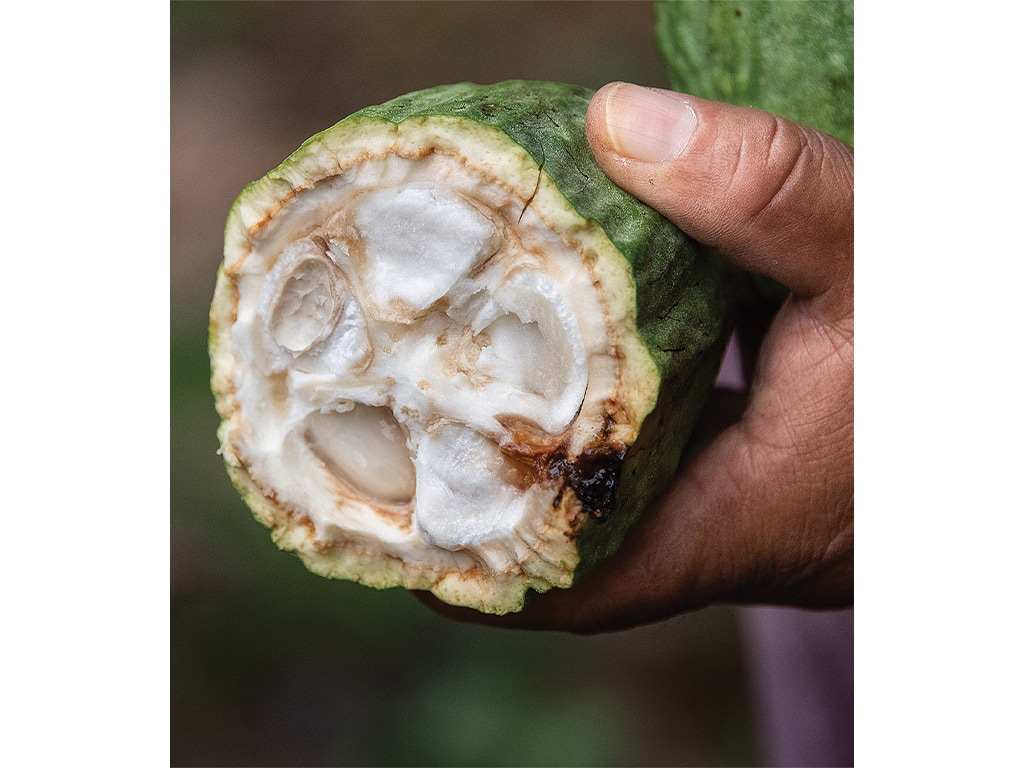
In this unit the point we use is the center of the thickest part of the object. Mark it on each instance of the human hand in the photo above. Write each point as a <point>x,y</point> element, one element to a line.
<point>764,513</point>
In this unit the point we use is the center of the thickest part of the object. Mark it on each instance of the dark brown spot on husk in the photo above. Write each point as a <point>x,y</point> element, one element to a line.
<point>536,456</point>
<point>593,476</point>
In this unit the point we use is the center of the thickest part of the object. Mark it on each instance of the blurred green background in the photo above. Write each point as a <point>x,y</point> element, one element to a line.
<point>271,665</point>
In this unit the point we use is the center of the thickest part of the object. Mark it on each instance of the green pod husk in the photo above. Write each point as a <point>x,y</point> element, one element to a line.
<point>666,312</point>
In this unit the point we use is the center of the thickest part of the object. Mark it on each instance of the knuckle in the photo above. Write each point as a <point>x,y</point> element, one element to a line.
<point>775,164</point>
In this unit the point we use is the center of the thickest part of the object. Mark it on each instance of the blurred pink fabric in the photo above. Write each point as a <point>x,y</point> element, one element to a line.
<point>799,664</point>
<point>730,372</point>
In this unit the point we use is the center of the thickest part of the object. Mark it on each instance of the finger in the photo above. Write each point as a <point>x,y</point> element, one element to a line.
<point>762,514</point>
<point>773,196</point>
<point>731,529</point>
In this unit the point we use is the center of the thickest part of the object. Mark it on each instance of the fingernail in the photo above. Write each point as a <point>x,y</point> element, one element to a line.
<point>648,125</point>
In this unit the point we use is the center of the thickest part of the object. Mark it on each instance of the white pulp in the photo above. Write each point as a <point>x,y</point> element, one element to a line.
<point>396,342</point>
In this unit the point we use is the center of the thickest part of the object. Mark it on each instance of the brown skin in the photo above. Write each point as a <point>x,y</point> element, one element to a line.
<point>764,513</point>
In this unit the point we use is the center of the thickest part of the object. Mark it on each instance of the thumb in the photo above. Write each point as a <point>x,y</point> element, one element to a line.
<point>773,196</point>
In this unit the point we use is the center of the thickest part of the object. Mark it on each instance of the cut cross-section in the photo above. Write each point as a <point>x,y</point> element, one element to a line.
<point>449,354</point>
